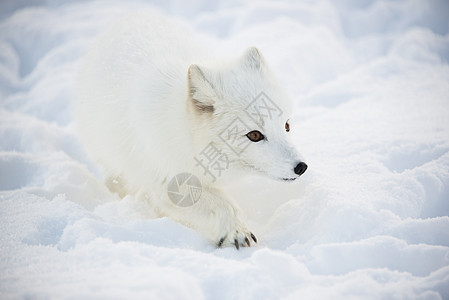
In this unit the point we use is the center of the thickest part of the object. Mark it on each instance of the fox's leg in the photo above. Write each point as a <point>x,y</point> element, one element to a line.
<point>213,214</point>
<point>116,184</point>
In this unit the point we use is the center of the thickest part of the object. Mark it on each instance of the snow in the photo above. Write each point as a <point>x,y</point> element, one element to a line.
<point>369,219</point>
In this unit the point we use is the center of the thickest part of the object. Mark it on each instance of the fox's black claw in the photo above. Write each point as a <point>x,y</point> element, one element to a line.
<point>245,243</point>
<point>254,238</point>
<point>220,242</point>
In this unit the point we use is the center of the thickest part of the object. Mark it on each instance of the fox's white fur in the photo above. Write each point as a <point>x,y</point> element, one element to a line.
<point>149,102</point>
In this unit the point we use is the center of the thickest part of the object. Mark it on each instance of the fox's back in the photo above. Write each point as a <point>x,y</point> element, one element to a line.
<point>131,91</point>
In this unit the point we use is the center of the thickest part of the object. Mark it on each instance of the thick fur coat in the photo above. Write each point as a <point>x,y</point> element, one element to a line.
<point>151,105</point>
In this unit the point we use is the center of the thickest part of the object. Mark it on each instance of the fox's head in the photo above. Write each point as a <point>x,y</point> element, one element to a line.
<point>242,118</point>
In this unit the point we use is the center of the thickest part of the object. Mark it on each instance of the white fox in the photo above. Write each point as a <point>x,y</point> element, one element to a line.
<point>158,114</point>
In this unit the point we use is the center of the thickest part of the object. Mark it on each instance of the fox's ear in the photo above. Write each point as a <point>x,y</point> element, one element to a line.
<point>252,58</point>
<point>201,92</point>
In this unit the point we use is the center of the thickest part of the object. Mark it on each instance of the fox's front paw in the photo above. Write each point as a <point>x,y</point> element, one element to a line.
<point>238,238</point>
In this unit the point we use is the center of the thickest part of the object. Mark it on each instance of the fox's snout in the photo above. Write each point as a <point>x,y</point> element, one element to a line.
<point>300,168</point>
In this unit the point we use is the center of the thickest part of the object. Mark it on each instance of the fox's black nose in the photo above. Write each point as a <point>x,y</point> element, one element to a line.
<point>300,168</point>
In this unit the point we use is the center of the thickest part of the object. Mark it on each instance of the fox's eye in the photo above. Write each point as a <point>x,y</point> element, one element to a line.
<point>255,136</point>
<point>287,126</point>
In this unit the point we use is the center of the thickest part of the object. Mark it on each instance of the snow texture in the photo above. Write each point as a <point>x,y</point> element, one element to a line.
<point>368,220</point>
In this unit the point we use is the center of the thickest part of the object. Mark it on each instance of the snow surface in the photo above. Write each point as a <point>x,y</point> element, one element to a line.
<point>369,219</point>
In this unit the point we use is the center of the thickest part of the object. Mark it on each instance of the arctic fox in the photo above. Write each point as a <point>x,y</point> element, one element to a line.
<point>168,123</point>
